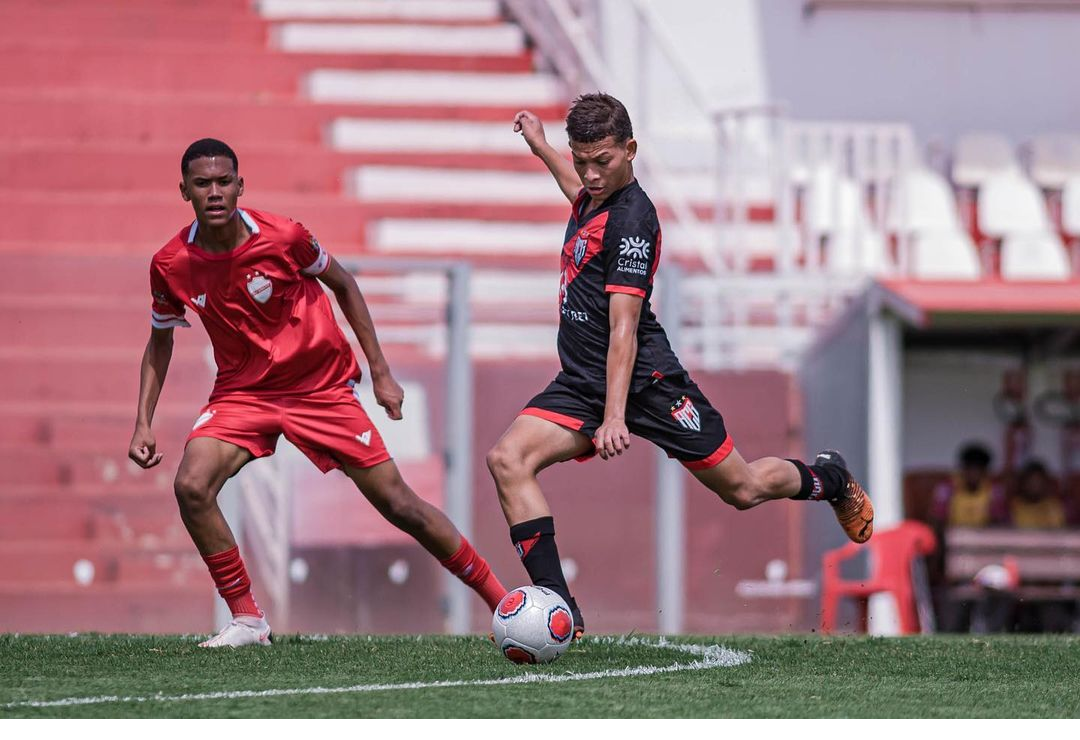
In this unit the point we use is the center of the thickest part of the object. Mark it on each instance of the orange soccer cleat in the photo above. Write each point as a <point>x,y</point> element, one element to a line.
<point>853,508</point>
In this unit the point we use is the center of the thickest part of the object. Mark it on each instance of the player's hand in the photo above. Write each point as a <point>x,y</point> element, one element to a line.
<point>612,438</point>
<point>388,394</point>
<point>531,129</point>
<point>143,449</point>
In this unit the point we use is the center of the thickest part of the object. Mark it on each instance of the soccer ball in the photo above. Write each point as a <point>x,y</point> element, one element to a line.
<point>532,625</point>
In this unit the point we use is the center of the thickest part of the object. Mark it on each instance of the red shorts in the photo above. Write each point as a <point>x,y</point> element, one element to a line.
<point>329,426</point>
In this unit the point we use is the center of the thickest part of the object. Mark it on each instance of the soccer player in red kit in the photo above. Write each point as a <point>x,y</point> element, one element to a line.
<point>619,375</point>
<point>284,367</point>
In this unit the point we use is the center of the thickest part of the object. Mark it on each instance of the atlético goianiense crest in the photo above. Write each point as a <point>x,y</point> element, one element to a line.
<point>684,412</point>
<point>260,287</point>
<point>580,247</point>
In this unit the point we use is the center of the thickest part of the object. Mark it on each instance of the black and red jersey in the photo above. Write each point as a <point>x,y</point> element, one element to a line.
<point>612,249</point>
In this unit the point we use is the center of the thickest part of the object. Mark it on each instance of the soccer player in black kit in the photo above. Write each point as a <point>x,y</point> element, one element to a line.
<point>619,375</point>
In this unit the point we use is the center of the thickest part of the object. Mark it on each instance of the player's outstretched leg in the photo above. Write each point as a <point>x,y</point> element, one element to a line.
<point>745,485</point>
<point>528,446</point>
<point>206,465</point>
<point>384,487</point>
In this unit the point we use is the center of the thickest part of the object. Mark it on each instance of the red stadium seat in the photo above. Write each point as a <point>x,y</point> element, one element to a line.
<point>892,553</point>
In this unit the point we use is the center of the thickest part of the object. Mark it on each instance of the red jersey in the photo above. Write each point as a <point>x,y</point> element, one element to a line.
<point>269,320</point>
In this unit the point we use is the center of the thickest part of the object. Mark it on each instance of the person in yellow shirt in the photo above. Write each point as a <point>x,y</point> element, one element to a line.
<point>970,498</point>
<point>1034,503</point>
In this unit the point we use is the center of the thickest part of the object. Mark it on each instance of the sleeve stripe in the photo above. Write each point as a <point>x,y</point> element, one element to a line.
<point>165,316</point>
<point>624,289</point>
<point>170,324</point>
<point>318,267</point>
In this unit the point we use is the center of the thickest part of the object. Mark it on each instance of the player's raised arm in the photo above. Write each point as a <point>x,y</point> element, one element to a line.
<point>388,393</point>
<point>532,130</point>
<point>155,365</point>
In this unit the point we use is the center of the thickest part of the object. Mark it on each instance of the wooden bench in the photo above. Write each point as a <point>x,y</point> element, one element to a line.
<point>1048,560</point>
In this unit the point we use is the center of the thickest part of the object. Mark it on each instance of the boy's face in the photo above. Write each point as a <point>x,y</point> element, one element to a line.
<point>212,186</point>
<point>604,166</point>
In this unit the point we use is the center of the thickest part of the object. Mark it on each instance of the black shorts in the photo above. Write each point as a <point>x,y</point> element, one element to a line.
<point>672,413</point>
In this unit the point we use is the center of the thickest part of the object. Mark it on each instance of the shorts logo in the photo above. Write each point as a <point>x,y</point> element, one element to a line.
<point>259,287</point>
<point>199,300</point>
<point>634,247</point>
<point>684,412</point>
<point>580,247</point>
<point>365,438</point>
<point>207,416</point>
<point>511,604</point>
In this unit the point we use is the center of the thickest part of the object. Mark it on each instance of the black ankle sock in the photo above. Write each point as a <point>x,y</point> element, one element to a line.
<point>535,544</point>
<point>819,482</point>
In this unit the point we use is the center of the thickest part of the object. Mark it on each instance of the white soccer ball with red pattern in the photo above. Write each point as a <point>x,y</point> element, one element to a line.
<point>532,625</point>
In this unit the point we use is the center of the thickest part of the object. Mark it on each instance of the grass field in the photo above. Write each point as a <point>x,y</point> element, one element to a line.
<point>790,676</point>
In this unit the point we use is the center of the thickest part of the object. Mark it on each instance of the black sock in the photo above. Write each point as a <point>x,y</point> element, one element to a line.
<point>819,482</point>
<point>535,544</point>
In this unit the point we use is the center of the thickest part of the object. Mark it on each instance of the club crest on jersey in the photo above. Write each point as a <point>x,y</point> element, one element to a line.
<point>634,247</point>
<point>580,247</point>
<point>684,412</point>
<point>260,287</point>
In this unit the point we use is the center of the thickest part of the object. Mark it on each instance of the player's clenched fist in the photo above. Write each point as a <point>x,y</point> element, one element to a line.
<point>142,449</point>
<point>389,395</point>
<point>531,129</point>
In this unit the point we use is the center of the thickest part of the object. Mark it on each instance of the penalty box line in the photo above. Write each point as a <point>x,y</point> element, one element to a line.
<point>710,656</point>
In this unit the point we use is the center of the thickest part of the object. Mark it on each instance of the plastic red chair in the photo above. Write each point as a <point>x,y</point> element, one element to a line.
<point>892,553</point>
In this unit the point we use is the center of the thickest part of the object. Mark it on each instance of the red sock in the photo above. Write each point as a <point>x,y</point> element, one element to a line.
<point>475,573</point>
<point>231,578</point>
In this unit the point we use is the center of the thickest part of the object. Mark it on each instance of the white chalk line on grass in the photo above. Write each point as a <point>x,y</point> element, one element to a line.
<point>710,656</point>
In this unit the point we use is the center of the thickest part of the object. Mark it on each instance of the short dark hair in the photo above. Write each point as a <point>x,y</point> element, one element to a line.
<point>596,116</point>
<point>975,455</point>
<point>208,148</point>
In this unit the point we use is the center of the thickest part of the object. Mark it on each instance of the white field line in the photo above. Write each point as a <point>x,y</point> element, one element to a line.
<point>710,656</point>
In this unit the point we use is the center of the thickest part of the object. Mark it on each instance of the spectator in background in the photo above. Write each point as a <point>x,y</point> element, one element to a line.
<point>970,498</point>
<point>1035,503</point>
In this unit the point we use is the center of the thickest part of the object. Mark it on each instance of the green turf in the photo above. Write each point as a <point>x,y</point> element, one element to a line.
<point>791,676</point>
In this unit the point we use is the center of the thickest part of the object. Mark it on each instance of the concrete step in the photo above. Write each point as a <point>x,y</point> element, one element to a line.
<point>57,216</point>
<point>229,25</point>
<point>183,69</point>
<point>110,425</point>
<point>109,608</point>
<point>433,185</point>
<point>101,113</point>
<point>431,11</point>
<point>399,38</point>
<point>108,378</point>
<point>474,138</point>
<point>68,466</point>
<point>514,90</point>
<point>148,517</point>
<point>91,565</point>
<point>58,165</point>
<point>466,236</point>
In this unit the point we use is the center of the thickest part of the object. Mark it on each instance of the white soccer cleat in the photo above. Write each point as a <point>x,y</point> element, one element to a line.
<point>241,631</point>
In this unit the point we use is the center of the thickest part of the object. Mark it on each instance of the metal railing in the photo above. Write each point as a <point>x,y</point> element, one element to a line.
<point>763,169</point>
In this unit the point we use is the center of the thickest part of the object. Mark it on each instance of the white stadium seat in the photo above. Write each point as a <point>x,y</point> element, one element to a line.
<point>980,156</point>
<point>1070,207</point>
<point>832,202</point>
<point>1036,256</point>
<point>944,255</point>
<point>1009,203</point>
<point>921,200</point>
<point>1054,159</point>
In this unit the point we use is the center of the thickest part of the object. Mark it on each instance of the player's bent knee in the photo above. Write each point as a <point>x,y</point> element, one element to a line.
<point>505,463</point>
<point>740,497</point>
<point>193,494</point>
